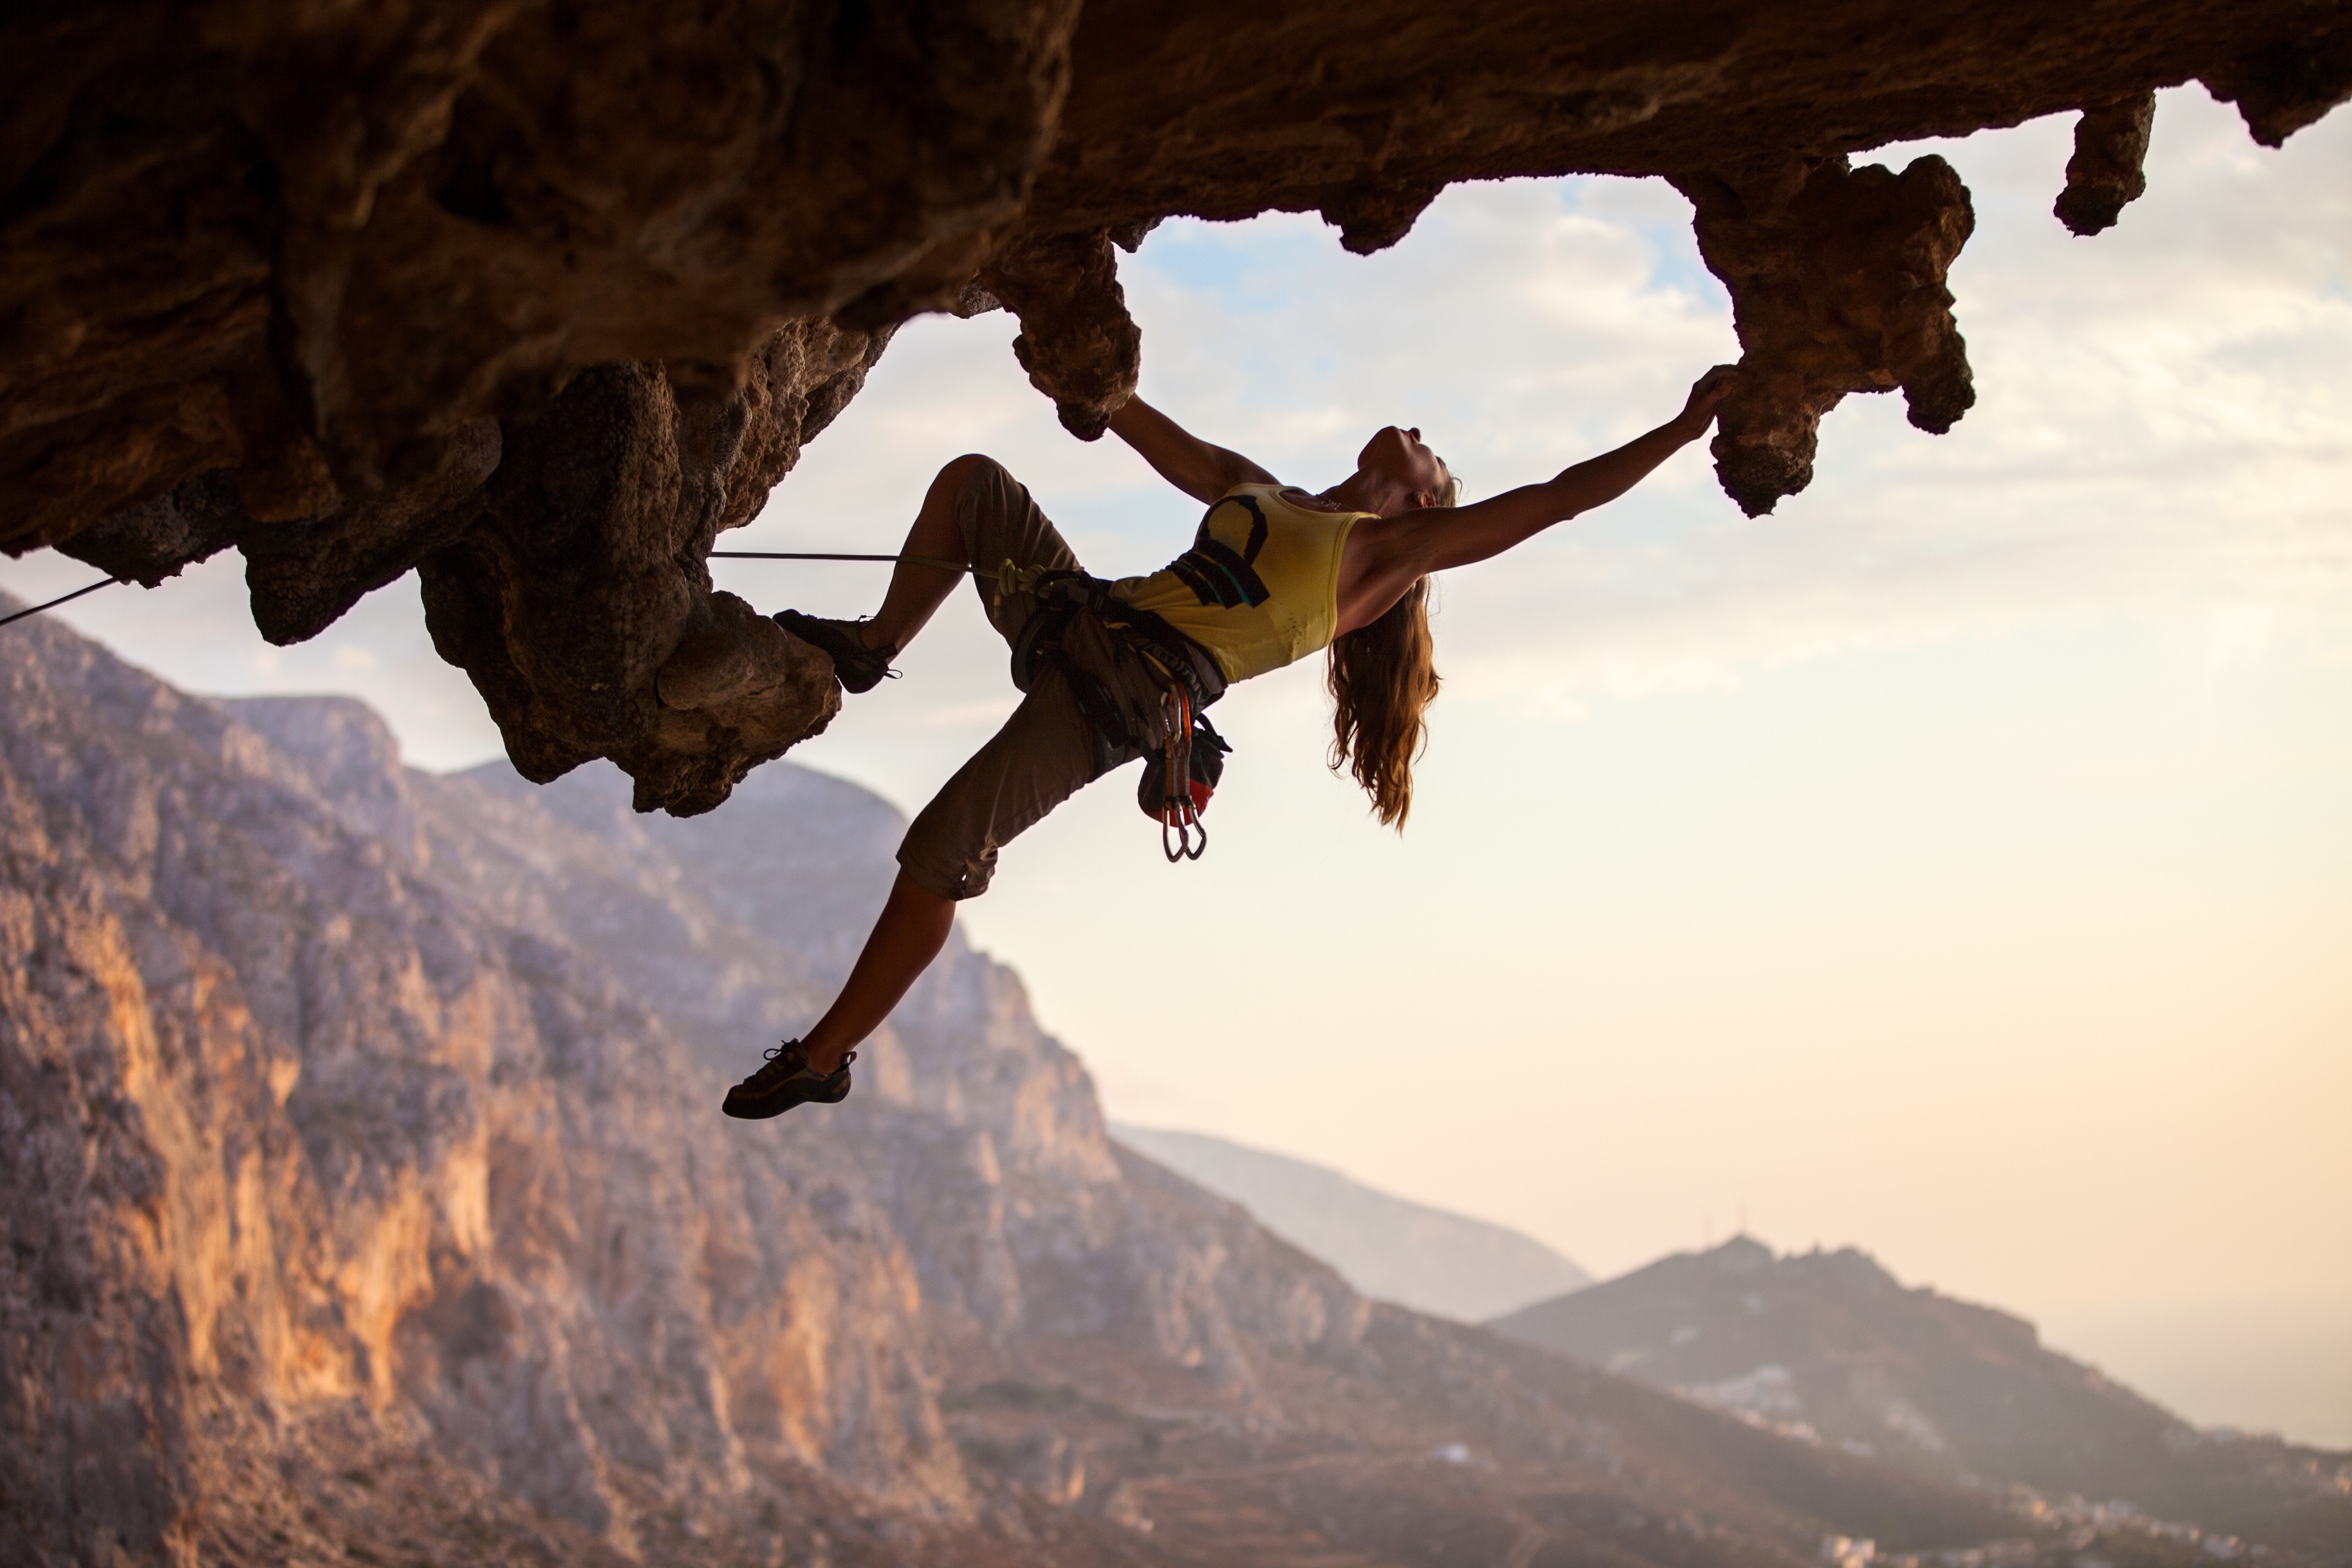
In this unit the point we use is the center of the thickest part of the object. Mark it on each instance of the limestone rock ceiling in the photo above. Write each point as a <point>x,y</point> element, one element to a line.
<point>539,298</point>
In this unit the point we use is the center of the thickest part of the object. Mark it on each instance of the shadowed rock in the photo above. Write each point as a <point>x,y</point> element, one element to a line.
<point>318,250</point>
<point>1078,342</point>
<point>2285,83</point>
<point>586,575</point>
<point>164,536</point>
<point>305,573</point>
<point>2104,174</point>
<point>1836,276</point>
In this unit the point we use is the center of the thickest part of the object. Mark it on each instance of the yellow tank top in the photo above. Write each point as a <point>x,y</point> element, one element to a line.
<point>1260,587</point>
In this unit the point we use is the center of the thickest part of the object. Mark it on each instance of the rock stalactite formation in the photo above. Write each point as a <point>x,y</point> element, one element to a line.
<point>269,277</point>
<point>2105,175</point>
<point>1836,276</point>
<point>1078,341</point>
<point>601,515</point>
<point>304,573</point>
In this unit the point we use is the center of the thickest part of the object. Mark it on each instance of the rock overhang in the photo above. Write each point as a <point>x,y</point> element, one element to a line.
<point>537,302</point>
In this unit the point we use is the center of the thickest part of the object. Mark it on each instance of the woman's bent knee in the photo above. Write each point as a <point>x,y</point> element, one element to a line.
<point>958,471</point>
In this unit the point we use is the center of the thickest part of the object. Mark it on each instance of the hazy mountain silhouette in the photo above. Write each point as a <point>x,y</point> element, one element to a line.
<point>1831,1343</point>
<point>1388,1248</point>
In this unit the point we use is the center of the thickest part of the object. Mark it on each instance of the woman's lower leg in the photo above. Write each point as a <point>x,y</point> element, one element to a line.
<point>908,935</point>
<point>917,591</point>
<point>915,921</point>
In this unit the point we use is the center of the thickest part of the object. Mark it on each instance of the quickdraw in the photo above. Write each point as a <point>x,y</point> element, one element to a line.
<point>1180,779</point>
<point>1179,807</point>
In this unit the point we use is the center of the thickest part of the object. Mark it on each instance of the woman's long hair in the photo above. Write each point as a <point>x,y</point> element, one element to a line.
<point>1383,677</point>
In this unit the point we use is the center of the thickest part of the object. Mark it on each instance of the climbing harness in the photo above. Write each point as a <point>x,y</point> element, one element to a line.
<point>1082,629</point>
<point>1141,685</point>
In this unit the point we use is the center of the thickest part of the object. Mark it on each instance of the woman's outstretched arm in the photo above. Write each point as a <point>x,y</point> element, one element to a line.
<point>1429,542</point>
<point>1201,471</point>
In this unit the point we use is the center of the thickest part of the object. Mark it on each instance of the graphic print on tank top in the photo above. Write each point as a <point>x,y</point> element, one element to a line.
<point>1259,586</point>
<point>1222,565</point>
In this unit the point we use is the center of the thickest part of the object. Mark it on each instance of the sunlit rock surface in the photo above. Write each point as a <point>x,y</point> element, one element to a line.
<point>340,1094</point>
<point>536,301</point>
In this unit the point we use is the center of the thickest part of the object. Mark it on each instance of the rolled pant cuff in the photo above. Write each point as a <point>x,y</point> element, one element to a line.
<point>942,883</point>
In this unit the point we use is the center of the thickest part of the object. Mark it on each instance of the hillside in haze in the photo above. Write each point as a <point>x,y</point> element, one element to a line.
<point>366,1201</point>
<point>1830,1343</point>
<point>1387,1247</point>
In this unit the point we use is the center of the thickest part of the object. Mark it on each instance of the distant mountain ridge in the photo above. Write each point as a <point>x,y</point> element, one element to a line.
<point>1830,1343</point>
<point>363,1200</point>
<point>1391,1249</point>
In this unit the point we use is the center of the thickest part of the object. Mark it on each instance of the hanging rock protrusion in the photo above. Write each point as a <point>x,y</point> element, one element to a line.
<point>1078,342</point>
<point>1836,276</point>
<point>580,600</point>
<point>1375,215</point>
<point>2107,172</point>
<point>2288,83</point>
<point>303,572</point>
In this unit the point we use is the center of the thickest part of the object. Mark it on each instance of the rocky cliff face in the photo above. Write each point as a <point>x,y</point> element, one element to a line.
<point>366,1201</point>
<point>333,1096</point>
<point>537,301</point>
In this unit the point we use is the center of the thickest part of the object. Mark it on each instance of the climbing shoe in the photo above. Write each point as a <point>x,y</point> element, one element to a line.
<point>857,667</point>
<point>787,1081</point>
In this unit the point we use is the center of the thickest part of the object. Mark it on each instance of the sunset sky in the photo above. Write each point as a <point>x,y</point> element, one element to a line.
<point>1957,863</point>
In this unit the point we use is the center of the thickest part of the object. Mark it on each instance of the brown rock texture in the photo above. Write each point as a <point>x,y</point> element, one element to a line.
<point>1837,286</point>
<point>2104,175</point>
<point>582,576</point>
<point>1083,350</point>
<point>308,255</point>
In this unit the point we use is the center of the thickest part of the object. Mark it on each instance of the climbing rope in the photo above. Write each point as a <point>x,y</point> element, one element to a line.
<point>715,555</point>
<point>831,555</point>
<point>61,599</point>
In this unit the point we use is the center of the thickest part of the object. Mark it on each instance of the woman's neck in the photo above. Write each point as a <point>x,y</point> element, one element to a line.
<point>1363,492</point>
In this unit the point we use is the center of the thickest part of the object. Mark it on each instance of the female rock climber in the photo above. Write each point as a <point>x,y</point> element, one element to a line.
<point>1275,574</point>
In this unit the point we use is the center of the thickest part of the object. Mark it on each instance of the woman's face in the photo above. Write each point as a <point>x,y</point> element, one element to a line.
<point>1400,456</point>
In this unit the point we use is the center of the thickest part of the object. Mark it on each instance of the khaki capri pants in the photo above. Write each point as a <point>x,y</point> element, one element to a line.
<point>1046,751</point>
